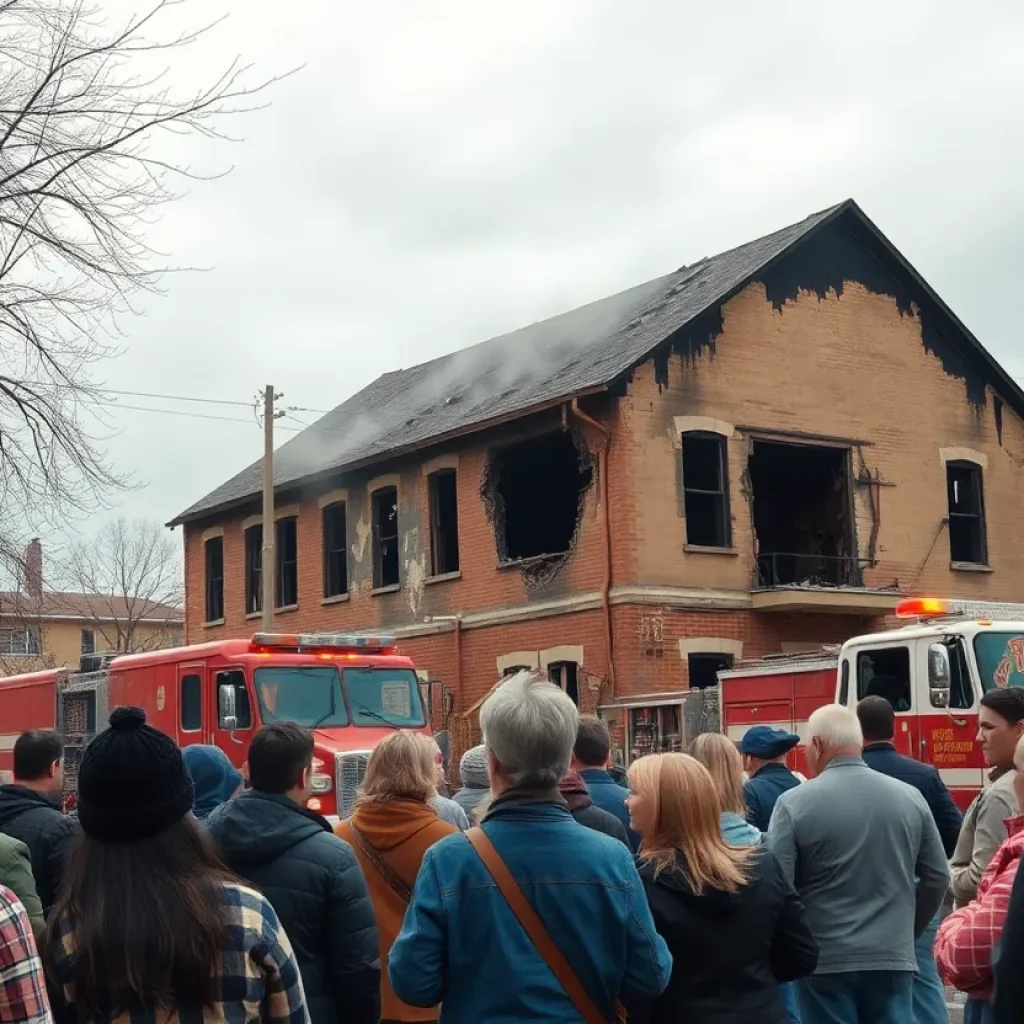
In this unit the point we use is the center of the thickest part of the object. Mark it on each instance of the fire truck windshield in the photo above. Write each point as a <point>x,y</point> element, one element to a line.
<point>384,696</point>
<point>1000,659</point>
<point>309,696</point>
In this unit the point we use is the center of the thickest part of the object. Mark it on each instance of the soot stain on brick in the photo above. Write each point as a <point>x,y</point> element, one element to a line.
<point>997,409</point>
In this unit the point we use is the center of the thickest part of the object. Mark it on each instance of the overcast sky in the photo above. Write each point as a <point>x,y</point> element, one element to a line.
<point>440,173</point>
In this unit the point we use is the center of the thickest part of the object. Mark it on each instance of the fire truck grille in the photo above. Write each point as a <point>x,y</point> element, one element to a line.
<point>350,770</point>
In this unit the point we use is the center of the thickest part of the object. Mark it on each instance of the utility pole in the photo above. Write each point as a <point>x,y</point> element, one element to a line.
<point>268,565</point>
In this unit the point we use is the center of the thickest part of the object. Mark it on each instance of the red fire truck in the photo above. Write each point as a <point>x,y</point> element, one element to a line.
<point>350,690</point>
<point>933,672</point>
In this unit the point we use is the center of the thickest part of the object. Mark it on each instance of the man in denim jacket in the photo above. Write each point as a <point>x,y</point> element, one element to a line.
<point>462,946</point>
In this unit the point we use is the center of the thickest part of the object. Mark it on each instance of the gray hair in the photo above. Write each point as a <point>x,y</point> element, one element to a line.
<point>529,725</point>
<point>836,727</point>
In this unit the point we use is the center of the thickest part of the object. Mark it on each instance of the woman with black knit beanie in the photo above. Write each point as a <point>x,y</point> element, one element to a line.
<point>149,925</point>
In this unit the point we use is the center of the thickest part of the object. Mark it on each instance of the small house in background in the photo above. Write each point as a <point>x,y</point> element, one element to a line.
<point>42,628</point>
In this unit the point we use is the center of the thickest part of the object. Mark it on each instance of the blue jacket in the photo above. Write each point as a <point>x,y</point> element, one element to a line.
<point>461,945</point>
<point>762,790</point>
<point>611,797</point>
<point>738,832</point>
<point>214,778</point>
<point>884,758</point>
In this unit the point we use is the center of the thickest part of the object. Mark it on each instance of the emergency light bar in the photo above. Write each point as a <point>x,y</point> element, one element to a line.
<point>323,641</point>
<point>940,608</point>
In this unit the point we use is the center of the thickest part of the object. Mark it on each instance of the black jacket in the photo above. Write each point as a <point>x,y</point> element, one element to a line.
<point>583,809</point>
<point>884,758</point>
<point>315,884</point>
<point>46,830</point>
<point>1008,999</point>
<point>729,950</point>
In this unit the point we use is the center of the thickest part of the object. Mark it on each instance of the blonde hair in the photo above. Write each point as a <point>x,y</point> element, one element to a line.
<point>687,822</point>
<point>719,755</point>
<point>403,766</point>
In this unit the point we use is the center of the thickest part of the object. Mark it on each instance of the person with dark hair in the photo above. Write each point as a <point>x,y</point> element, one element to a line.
<point>590,759</point>
<point>311,877</point>
<point>150,925</point>
<point>30,810</point>
<point>1000,728</point>
<point>878,724</point>
<point>764,751</point>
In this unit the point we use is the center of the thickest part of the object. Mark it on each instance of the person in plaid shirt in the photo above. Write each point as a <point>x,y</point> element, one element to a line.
<point>150,926</point>
<point>22,983</point>
<point>966,939</point>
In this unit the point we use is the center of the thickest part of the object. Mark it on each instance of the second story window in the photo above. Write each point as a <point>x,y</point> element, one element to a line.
<point>214,558</point>
<point>444,522</point>
<point>88,645</point>
<point>335,551</point>
<point>287,555</point>
<point>385,537</point>
<point>967,542</point>
<point>254,569</point>
<point>706,490</point>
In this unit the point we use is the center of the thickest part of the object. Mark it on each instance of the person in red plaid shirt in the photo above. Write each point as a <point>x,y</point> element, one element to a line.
<point>22,983</point>
<point>967,938</point>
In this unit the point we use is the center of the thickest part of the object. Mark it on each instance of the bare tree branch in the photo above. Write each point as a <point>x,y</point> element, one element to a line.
<point>84,106</point>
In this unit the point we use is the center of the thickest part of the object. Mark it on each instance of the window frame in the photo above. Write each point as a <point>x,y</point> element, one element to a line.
<point>91,648</point>
<point>379,540</point>
<point>214,544</point>
<point>723,514</point>
<point>253,569</point>
<point>443,542</point>
<point>286,569</point>
<point>31,645</point>
<point>976,475</point>
<point>874,651</point>
<point>187,677</point>
<point>326,537</point>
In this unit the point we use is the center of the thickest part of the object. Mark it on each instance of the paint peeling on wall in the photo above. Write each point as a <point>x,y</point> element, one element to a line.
<point>362,536</point>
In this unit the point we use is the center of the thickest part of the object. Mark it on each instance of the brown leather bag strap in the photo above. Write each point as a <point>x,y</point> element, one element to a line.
<point>535,930</point>
<point>400,889</point>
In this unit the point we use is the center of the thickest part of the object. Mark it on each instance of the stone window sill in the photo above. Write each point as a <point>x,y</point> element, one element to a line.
<point>335,599</point>
<point>443,578</point>
<point>394,588</point>
<point>213,623</point>
<point>703,549</point>
<point>970,567</point>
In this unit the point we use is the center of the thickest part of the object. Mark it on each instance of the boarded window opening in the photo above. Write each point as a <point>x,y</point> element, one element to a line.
<point>966,513</point>
<point>565,675</point>
<point>801,497</point>
<point>534,492</point>
<point>705,487</point>
<point>444,522</point>
<point>254,569</point>
<point>286,583</point>
<point>703,668</point>
<point>335,550</point>
<point>214,581</point>
<point>385,537</point>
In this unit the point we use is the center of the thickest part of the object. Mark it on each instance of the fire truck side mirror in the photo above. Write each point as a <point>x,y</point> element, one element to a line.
<point>939,675</point>
<point>226,706</point>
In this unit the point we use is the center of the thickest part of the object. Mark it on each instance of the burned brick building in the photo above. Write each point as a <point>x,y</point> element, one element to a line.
<point>757,453</point>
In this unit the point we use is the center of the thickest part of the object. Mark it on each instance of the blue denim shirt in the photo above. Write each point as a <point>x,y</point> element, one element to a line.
<point>461,945</point>
<point>611,797</point>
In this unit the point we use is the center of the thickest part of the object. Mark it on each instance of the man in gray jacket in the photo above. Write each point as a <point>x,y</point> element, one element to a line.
<point>863,852</point>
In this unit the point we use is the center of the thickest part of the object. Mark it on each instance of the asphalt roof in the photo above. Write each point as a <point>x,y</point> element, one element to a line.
<point>571,354</point>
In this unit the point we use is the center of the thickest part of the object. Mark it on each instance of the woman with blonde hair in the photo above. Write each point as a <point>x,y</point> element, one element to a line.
<point>721,757</point>
<point>734,925</point>
<point>392,827</point>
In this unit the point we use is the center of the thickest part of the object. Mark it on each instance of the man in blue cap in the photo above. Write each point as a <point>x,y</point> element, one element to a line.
<point>764,752</point>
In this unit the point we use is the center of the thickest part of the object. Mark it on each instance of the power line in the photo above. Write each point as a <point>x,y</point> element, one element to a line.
<point>190,415</point>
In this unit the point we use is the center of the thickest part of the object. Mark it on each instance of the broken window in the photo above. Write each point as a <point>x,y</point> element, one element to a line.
<point>703,669</point>
<point>286,590</point>
<point>705,487</point>
<point>335,550</point>
<point>254,569</point>
<point>966,513</point>
<point>444,522</point>
<point>214,558</point>
<point>565,675</point>
<point>385,537</point>
<point>802,515</point>
<point>534,491</point>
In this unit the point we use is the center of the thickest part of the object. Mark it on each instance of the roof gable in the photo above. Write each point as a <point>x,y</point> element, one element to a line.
<point>599,345</point>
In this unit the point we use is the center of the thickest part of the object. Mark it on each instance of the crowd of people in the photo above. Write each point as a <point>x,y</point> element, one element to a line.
<point>716,887</point>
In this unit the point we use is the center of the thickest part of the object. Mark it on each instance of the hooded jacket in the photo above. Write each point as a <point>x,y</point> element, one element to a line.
<point>581,806</point>
<point>401,831</point>
<point>39,823</point>
<point>729,950</point>
<point>214,778</point>
<point>16,875</point>
<point>313,880</point>
<point>476,783</point>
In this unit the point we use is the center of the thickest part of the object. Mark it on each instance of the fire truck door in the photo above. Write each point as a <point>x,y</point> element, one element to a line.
<point>230,714</point>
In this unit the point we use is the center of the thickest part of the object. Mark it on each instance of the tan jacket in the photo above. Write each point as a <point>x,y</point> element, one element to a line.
<point>981,834</point>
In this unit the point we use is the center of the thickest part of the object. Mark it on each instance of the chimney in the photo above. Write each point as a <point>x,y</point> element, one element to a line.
<point>34,569</point>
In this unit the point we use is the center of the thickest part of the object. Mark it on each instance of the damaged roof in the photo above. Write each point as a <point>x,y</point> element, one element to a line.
<point>579,352</point>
